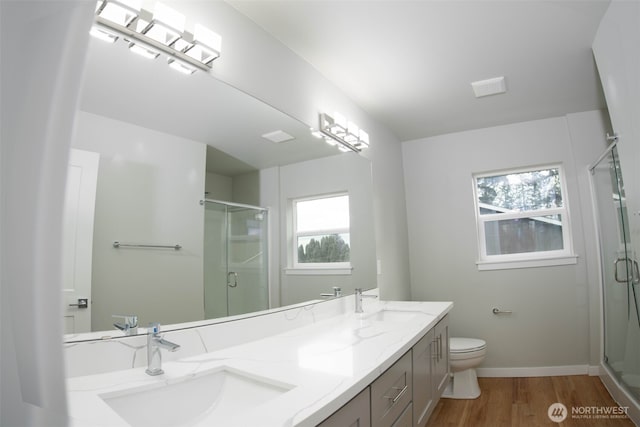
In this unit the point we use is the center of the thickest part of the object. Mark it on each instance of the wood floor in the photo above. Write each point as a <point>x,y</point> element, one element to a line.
<point>524,402</point>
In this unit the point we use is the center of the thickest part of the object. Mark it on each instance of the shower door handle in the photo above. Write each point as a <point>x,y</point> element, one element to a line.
<point>235,279</point>
<point>615,270</point>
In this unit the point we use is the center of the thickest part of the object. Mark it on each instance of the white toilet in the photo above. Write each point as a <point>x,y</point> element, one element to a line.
<point>465,354</point>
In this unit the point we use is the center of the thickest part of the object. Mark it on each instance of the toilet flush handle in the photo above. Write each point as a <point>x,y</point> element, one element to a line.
<point>497,311</point>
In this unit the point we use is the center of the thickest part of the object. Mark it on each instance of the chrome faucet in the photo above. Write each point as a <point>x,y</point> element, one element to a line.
<point>359,296</point>
<point>155,343</point>
<point>129,326</point>
<point>337,292</point>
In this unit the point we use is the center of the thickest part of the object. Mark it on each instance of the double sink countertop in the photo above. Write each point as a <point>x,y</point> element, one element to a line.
<point>293,378</point>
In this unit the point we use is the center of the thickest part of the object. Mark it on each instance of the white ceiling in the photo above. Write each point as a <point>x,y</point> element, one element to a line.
<point>409,64</point>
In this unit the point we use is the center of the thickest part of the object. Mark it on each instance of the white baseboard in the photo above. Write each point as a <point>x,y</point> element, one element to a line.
<point>595,371</point>
<point>541,371</point>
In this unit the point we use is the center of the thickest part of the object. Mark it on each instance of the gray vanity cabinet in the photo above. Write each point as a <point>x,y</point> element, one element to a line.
<point>424,353</point>
<point>441,357</point>
<point>392,392</point>
<point>406,393</point>
<point>405,420</point>
<point>430,371</point>
<point>357,412</point>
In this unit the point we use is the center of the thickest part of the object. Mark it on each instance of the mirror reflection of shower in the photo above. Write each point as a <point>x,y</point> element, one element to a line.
<point>236,262</point>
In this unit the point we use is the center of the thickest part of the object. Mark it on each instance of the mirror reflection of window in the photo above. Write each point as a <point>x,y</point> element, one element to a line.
<point>321,231</point>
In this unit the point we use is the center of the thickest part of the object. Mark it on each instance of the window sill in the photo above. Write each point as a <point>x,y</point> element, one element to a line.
<point>344,271</point>
<point>528,263</point>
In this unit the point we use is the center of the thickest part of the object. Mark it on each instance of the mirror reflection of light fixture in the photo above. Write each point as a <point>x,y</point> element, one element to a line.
<point>143,51</point>
<point>207,45</point>
<point>161,32</point>
<point>332,142</point>
<point>339,131</point>
<point>103,34</point>
<point>181,67</point>
<point>121,12</point>
<point>167,25</point>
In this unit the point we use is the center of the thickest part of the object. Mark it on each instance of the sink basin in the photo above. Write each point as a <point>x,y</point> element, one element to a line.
<point>209,397</point>
<point>395,316</point>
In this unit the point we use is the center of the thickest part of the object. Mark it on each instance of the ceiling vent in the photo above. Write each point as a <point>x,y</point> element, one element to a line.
<point>489,87</point>
<point>278,136</point>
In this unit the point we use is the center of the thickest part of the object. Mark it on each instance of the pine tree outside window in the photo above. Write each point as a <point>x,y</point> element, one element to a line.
<point>522,218</point>
<point>321,232</point>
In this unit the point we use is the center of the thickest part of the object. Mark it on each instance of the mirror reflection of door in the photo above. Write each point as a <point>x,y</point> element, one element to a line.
<point>235,253</point>
<point>247,274</point>
<point>77,239</point>
<point>215,268</point>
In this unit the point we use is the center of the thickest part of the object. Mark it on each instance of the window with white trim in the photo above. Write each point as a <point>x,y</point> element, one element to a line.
<point>522,218</point>
<point>321,234</point>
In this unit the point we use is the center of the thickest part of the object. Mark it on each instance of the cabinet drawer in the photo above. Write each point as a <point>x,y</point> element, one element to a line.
<point>355,413</point>
<point>391,392</point>
<point>406,419</point>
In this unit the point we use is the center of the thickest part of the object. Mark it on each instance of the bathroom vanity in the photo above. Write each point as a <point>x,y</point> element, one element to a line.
<point>406,393</point>
<point>322,364</point>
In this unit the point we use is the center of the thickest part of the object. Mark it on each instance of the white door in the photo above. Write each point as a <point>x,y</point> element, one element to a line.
<point>77,240</point>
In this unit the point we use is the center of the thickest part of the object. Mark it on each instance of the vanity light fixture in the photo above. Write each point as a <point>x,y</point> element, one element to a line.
<point>166,26</point>
<point>206,45</point>
<point>316,133</point>
<point>145,52</point>
<point>103,34</point>
<point>121,12</point>
<point>348,136</point>
<point>150,34</point>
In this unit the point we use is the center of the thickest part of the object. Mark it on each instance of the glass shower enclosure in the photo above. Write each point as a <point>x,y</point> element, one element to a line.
<point>235,253</point>
<point>620,275</point>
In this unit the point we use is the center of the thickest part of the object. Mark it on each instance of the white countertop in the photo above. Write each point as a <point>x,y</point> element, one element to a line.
<point>324,365</point>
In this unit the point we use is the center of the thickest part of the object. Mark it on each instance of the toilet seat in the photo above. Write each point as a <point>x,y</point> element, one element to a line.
<point>466,345</point>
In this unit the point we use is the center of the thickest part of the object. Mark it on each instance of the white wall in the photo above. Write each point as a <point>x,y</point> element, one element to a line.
<point>37,106</point>
<point>550,325</point>
<point>218,187</point>
<point>270,199</point>
<point>318,177</point>
<point>149,188</point>
<point>246,188</point>
<point>390,217</point>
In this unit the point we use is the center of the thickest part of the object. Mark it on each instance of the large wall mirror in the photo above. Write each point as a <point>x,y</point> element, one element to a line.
<point>179,202</point>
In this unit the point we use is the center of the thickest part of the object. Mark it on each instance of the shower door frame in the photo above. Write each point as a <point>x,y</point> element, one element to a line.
<point>267,271</point>
<point>618,391</point>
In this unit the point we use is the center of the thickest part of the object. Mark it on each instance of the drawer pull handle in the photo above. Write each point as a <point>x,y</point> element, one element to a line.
<point>399,395</point>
